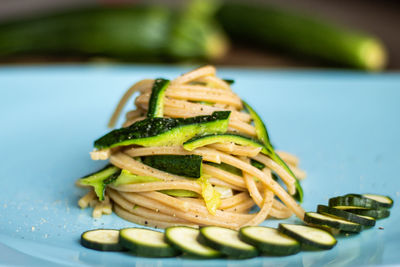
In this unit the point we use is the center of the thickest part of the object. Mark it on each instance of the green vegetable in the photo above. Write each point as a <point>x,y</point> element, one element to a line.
<point>382,201</point>
<point>184,165</point>
<point>100,179</point>
<point>185,239</point>
<point>126,177</point>
<point>145,242</point>
<point>101,239</point>
<point>257,164</point>
<point>269,240</point>
<point>309,237</point>
<point>179,193</point>
<point>156,102</point>
<point>226,167</point>
<point>317,219</point>
<point>164,131</point>
<point>379,213</point>
<point>261,129</point>
<point>128,33</point>
<point>227,242</point>
<point>302,35</point>
<point>353,201</point>
<point>363,220</point>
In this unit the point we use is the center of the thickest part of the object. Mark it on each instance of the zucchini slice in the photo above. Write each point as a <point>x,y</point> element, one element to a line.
<point>227,242</point>
<point>165,131</point>
<point>261,129</point>
<point>184,165</point>
<point>145,242</point>
<point>328,221</point>
<point>363,220</point>
<point>269,240</point>
<point>185,239</point>
<point>156,102</point>
<point>101,239</point>
<point>353,201</point>
<point>257,164</point>
<point>309,237</point>
<point>377,214</point>
<point>204,140</point>
<point>384,201</point>
<point>100,179</point>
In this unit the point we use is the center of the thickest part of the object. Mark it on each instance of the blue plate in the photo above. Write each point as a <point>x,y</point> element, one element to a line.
<point>344,126</point>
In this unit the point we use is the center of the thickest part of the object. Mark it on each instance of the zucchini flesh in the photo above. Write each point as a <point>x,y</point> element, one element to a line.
<point>101,239</point>
<point>145,242</point>
<point>226,167</point>
<point>185,239</point>
<point>317,219</point>
<point>184,165</point>
<point>366,221</point>
<point>261,129</point>
<point>257,164</point>
<point>353,201</point>
<point>156,102</point>
<point>269,240</point>
<point>227,242</point>
<point>100,179</point>
<point>377,214</point>
<point>199,141</point>
<point>164,131</point>
<point>309,237</point>
<point>179,193</point>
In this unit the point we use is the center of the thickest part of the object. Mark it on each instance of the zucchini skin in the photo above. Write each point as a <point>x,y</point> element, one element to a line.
<point>303,35</point>
<point>353,201</point>
<point>350,227</point>
<point>156,102</point>
<point>376,213</point>
<point>344,215</point>
<point>184,165</point>
<point>154,131</point>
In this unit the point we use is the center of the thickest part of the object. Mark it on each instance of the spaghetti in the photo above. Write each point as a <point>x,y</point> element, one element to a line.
<point>236,188</point>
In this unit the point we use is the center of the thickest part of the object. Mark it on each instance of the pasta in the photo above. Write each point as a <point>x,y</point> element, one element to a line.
<point>230,184</point>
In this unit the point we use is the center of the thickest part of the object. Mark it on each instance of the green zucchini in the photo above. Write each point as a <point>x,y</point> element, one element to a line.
<point>124,32</point>
<point>164,131</point>
<point>363,220</point>
<point>226,167</point>
<point>179,193</point>
<point>100,179</point>
<point>317,219</point>
<point>257,164</point>
<point>261,129</point>
<point>303,35</point>
<point>156,102</point>
<point>185,239</point>
<point>383,201</point>
<point>353,201</point>
<point>146,242</point>
<point>203,140</point>
<point>102,239</point>
<point>229,81</point>
<point>309,237</point>
<point>184,165</point>
<point>269,240</point>
<point>126,177</point>
<point>226,241</point>
<point>379,213</point>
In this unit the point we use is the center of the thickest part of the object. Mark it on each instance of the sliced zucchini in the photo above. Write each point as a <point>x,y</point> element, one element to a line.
<point>226,167</point>
<point>384,201</point>
<point>165,131</point>
<point>257,164</point>
<point>261,129</point>
<point>353,201</point>
<point>101,239</point>
<point>204,140</point>
<point>184,165</point>
<point>377,214</point>
<point>179,193</point>
<point>145,242</point>
<point>269,240</point>
<point>229,81</point>
<point>309,237</point>
<point>126,177</point>
<point>227,242</point>
<point>185,239</point>
<point>156,102</point>
<point>363,220</point>
<point>317,219</point>
<point>100,179</point>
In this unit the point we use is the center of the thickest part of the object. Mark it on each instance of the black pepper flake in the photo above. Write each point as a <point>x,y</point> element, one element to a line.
<point>381,228</point>
<point>145,222</point>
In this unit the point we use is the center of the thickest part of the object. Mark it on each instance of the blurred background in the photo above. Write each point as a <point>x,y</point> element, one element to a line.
<point>358,34</point>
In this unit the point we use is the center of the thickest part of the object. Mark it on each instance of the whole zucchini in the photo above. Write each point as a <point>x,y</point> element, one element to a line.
<point>300,34</point>
<point>129,33</point>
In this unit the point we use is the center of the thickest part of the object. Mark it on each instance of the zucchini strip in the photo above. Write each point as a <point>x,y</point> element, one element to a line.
<point>156,102</point>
